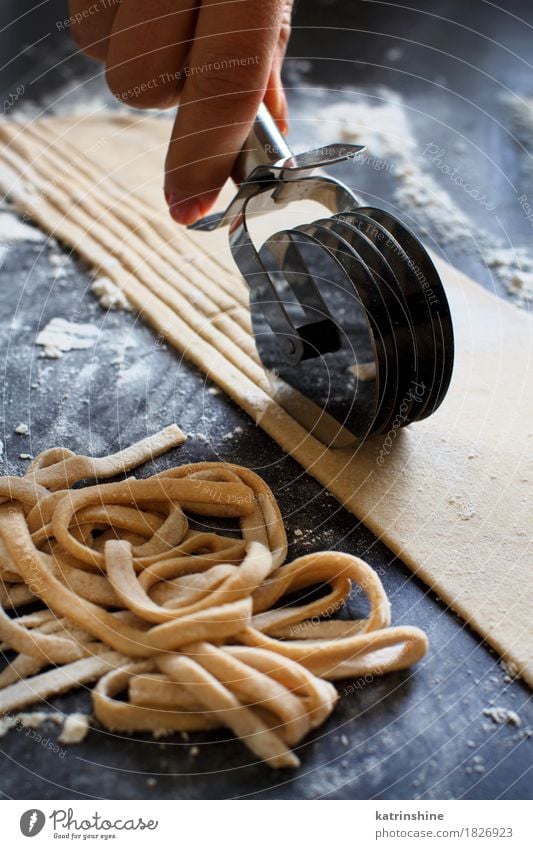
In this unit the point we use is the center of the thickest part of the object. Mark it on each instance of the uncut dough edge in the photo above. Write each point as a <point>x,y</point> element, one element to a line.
<point>454,498</point>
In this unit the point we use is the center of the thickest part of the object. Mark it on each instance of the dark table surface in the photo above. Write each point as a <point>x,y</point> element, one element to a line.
<point>418,734</point>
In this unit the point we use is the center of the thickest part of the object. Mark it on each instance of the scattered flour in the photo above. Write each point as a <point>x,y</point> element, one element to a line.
<point>109,295</point>
<point>510,669</point>
<point>28,720</point>
<point>514,267</point>
<point>296,71</point>
<point>258,402</point>
<point>61,335</point>
<point>390,145</point>
<point>57,259</point>
<point>201,437</point>
<point>51,353</point>
<point>75,725</point>
<point>466,510</point>
<point>520,110</point>
<point>382,125</point>
<point>238,431</point>
<point>75,728</point>
<point>66,101</point>
<point>13,229</point>
<point>11,178</point>
<point>503,716</point>
<point>394,54</point>
<point>430,205</point>
<point>477,765</point>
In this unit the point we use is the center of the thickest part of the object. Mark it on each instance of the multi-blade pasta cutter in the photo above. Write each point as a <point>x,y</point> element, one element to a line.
<point>350,316</point>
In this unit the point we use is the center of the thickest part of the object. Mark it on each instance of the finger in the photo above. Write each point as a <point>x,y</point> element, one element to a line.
<point>91,22</point>
<point>230,65</point>
<point>275,99</point>
<point>148,49</point>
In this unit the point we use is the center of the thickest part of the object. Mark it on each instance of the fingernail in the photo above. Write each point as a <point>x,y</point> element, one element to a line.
<point>282,122</point>
<point>183,210</point>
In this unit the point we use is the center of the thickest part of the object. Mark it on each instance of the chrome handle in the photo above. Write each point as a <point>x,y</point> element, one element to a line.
<point>263,146</point>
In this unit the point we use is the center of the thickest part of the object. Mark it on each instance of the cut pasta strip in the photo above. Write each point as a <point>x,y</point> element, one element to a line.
<point>375,653</point>
<point>125,716</point>
<point>217,698</point>
<point>41,687</point>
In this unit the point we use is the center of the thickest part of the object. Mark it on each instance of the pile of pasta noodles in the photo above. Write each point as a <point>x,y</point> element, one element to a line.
<point>179,629</point>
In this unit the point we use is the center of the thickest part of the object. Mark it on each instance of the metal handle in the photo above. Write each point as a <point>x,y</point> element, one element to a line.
<point>264,146</point>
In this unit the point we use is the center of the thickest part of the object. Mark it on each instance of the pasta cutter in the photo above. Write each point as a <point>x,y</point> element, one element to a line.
<point>350,316</point>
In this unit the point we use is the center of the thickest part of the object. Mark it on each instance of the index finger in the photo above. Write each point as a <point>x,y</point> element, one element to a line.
<point>228,72</point>
<point>90,25</point>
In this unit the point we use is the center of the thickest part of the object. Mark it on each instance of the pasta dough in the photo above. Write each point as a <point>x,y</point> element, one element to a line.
<point>453,497</point>
<point>182,620</point>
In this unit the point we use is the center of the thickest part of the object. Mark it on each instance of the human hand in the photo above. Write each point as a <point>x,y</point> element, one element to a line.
<point>219,60</point>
